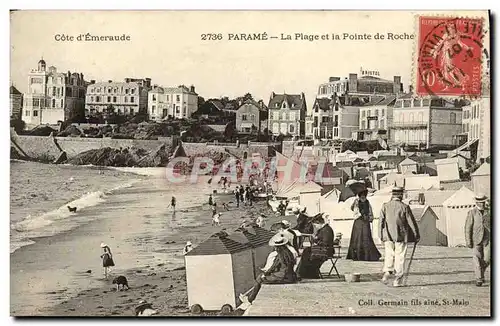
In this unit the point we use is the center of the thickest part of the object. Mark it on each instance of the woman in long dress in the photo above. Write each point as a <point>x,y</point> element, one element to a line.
<point>107,259</point>
<point>361,246</point>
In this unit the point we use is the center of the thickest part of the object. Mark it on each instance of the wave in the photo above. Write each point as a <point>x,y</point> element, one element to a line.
<point>26,229</point>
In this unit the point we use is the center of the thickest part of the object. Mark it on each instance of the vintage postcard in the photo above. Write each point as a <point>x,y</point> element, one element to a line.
<point>250,163</point>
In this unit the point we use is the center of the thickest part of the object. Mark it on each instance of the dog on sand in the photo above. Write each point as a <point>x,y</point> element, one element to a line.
<point>121,281</point>
<point>72,209</point>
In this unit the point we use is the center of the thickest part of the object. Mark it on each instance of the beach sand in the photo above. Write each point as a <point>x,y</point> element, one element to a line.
<point>49,277</point>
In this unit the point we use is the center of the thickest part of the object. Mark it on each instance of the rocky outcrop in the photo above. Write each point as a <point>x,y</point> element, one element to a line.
<point>128,157</point>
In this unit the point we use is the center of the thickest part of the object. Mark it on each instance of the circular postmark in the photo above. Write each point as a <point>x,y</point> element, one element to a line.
<point>450,56</point>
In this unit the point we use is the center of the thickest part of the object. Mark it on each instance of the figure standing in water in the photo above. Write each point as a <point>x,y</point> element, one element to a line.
<point>173,202</point>
<point>107,259</point>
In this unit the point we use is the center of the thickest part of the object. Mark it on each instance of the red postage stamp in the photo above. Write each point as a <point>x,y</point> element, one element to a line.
<point>449,56</point>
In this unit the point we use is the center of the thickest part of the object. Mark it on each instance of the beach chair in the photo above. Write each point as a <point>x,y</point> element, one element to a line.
<point>333,258</point>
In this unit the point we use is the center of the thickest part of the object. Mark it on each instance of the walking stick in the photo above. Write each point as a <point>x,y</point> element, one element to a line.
<point>409,263</point>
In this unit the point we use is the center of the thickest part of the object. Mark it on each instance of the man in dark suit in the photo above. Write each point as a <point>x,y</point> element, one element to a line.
<point>397,227</point>
<point>477,237</point>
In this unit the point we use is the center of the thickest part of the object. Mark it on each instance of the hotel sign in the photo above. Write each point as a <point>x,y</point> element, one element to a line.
<point>365,72</point>
<point>371,118</point>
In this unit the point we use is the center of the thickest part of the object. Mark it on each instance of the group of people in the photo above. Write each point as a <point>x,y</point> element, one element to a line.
<point>244,195</point>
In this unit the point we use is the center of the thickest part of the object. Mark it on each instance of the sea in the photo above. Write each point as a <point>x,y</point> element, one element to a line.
<point>53,249</point>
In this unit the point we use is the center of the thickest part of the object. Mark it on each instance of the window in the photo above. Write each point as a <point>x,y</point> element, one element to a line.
<point>363,114</point>
<point>132,91</point>
<point>119,111</point>
<point>27,113</point>
<point>154,97</point>
<point>98,99</point>
<point>53,103</point>
<point>453,117</point>
<point>126,90</point>
<point>244,117</point>
<point>114,99</point>
<point>116,90</point>
<point>109,90</point>
<point>276,115</point>
<point>412,117</point>
<point>407,103</point>
<point>109,98</point>
<point>382,113</point>
<point>276,128</point>
<point>35,113</point>
<point>283,116</point>
<point>62,103</point>
<point>36,102</point>
<point>292,116</point>
<point>426,102</point>
<point>126,99</point>
<point>53,91</point>
<point>177,98</point>
<point>277,105</point>
<point>153,109</point>
<point>292,128</point>
<point>177,109</point>
<point>168,98</point>
<point>284,105</point>
<point>420,117</point>
<point>336,132</point>
<point>132,99</point>
<point>131,111</point>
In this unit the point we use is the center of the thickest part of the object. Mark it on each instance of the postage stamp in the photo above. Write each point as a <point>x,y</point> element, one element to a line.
<point>449,56</point>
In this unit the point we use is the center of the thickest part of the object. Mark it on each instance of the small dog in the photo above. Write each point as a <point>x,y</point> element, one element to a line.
<point>72,209</point>
<point>121,280</point>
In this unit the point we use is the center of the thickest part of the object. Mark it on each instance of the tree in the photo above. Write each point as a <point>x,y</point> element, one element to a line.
<point>247,96</point>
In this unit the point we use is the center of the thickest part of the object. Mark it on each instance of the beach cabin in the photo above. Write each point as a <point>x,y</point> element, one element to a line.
<point>427,224</point>
<point>309,197</point>
<point>455,211</point>
<point>408,166</point>
<point>447,169</point>
<point>421,181</point>
<point>259,240</point>
<point>217,271</point>
<point>481,180</point>
<point>379,174</point>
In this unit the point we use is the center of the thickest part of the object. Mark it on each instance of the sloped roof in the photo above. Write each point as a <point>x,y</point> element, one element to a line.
<point>428,159</point>
<point>219,244</point>
<point>463,196</point>
<point>391,158</point>
<point>419,211</point>
<point>294,100</point>
<point>419,181</point>
<point>484,169</point>
<point>14,91</point>
<point>375,100</point>
<point>256,236</point>
<point>323,103</point>
<point>254,103</point>
<point>407,161</point>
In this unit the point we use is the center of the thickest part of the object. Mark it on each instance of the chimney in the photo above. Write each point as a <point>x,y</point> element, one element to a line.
<point>92,81</point>
<point>110,81</point>
<point>410,89</point>
<point>192,89</point>
<point>272,95</point>
<point>353,83</point>
<point>332,79</point>
<point>127,80</point>
<point>397,84</point>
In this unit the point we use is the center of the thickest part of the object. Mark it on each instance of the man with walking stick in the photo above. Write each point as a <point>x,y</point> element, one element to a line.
<point>397,227</point>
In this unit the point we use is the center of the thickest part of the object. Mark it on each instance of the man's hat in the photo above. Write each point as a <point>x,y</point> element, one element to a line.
<point>398,190</point>
<point>480,198</point>
<point>278,239</point>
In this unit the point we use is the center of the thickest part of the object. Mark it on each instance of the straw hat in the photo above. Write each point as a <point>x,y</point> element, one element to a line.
<point>480,198</point>
<point>103,245</point>
<point>189,243</point>
<point>279,239</point>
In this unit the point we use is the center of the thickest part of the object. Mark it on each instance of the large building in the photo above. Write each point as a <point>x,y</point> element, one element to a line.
<point>287,114</point>
<point>123,98</point>
<point>172,102</point>
<point>340,104</point>
<point>425,122</point>
<point>16,102</point>
<point>250,117</point>
<point>53,96</point>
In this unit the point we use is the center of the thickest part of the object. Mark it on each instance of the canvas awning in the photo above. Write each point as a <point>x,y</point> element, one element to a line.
<point>246,125</point>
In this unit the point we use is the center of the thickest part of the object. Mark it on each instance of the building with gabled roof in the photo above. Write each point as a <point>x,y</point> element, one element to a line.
<point>287,113</point>
<point>172,102</point>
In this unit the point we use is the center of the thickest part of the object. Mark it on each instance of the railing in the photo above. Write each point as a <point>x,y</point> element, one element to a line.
<point>413,124</point>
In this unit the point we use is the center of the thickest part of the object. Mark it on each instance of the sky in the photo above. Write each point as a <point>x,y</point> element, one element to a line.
<point>167,46</point>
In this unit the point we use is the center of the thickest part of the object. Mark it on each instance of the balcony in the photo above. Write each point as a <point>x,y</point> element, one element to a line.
<point>410,125</point>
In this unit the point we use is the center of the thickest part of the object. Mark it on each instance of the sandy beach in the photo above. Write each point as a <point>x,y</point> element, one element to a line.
<point>50,278</point>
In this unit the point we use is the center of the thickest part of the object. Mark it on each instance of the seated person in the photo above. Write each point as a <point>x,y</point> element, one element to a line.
<point>323,237</point>
<point>280,272</point>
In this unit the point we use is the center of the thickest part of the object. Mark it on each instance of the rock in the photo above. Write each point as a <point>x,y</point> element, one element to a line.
<point>89,271</point>
<point>63,157</point>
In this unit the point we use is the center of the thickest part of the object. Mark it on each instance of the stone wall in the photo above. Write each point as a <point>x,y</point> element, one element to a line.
<point>239,150</point>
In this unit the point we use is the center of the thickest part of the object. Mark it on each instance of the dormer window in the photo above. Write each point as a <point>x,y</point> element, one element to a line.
<point>284,105</point>
<point>277,105</point>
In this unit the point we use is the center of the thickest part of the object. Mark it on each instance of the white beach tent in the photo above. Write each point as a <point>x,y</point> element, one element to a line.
<point>481,179</point>
<point>217,271</point>
<point>456,208</point>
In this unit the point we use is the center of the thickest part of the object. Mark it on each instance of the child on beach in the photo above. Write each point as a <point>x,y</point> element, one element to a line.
<point>173,203</point>
<point>107,259</point>
<point>215,219</point>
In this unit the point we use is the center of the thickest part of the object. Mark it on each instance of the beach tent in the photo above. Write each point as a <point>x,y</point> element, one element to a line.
<point>481,179</point>
<point>408,165</point>
<point>217,271</point>
<point>258,238</point>
<point>309,197</point>
<point>289,175</point>
<point>447,169</point>
<point>456,209</point>
<point>426,220</point>
<point>419,181</point>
